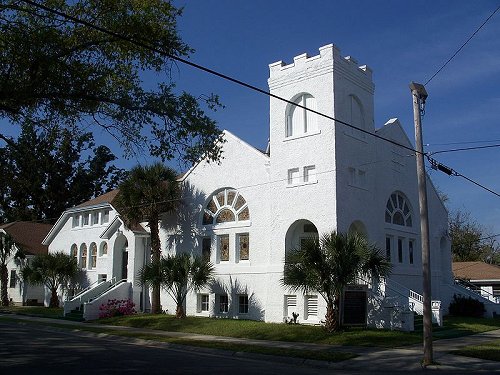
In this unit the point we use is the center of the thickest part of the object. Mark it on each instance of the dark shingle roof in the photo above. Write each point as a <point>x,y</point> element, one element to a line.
<point>105,198</point>
<point>28,235</point>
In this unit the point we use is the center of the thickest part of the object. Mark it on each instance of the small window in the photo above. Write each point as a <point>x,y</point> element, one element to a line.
<point>76,221</point>
<point>86,219</point>
<point>224,247</point>
<point>102,277</point>
<point>312,306</point>
<point>400,250</point>
<point>206,248</point>
<point>310,174</point>
<point>410,251</point>
<point>105,217</point>
<point>244,246</point>
<point>95,218</point>
<point>243,304</point>
<point>204,302</point>
<point>13,279</point>
<point>223,303</point>
<point>293,176</point>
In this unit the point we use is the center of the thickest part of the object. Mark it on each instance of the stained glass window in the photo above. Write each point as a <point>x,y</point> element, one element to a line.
<point>397,210</point>
<point>224,247</point>
<point>225,206</point>
<point>83,260</point>
<point>93,255</point>
<point>244,246</point>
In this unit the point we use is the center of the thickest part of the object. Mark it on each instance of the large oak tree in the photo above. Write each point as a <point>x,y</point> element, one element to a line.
<point>58,72</point>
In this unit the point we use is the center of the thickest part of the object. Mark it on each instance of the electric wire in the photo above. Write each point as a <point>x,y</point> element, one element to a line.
<point>463,45</point>
<point>464,149</point>
<point>145,45</point>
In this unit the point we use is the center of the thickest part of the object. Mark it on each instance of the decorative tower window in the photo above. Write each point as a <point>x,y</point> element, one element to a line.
<point>298,119</point>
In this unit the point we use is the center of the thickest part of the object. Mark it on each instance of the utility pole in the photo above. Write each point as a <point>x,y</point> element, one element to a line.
<point>419,96</point>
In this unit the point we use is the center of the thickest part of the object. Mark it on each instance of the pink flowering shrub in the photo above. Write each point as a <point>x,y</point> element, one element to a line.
<point>116,307</point>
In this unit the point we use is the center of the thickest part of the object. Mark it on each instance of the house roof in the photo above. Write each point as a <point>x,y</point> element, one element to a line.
<point>104,198</point>
<point>28,236</point>
<point>476,271</point>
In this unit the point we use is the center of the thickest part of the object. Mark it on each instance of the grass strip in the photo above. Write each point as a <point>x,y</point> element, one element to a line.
<point>489,350</point>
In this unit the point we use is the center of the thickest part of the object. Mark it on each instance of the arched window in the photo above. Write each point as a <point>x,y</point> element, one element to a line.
<point>398,210</point>
<point>225,206</point>
<point>74,252</point>
<point>83,256</point>
<point>103,249</point>
<point>93,255</point>
<point>299,120</point>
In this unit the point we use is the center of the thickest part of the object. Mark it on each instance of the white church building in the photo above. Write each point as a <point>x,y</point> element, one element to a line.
<point>245,213</point>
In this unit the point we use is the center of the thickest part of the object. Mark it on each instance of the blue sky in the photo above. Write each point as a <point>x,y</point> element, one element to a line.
<point>401,41</point>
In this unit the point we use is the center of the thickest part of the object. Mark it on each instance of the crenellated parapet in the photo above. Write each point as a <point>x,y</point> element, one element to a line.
<point>329,60</point>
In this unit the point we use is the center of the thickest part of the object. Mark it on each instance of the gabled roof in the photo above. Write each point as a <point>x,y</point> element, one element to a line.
<point>28,236</point>
<point>228,136</point>
<point>108,197</point>
<point>476,271</point>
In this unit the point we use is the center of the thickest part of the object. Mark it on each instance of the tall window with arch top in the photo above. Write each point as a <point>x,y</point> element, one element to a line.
<point>225,206</point>
<point>398,210</point>
<point>299,120</point>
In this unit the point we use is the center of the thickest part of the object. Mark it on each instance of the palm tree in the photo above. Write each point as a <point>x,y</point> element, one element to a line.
<point>329,264</point>
<point>7,250</point>
<point>178,275</point>
<point>52,270</point>
<point>147,193</point>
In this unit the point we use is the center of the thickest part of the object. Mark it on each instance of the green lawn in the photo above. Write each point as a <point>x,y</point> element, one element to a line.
<point>46,312</point>
<point>489,350</point>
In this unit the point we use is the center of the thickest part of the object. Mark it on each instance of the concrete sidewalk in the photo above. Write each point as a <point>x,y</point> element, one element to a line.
<point>369,360</point>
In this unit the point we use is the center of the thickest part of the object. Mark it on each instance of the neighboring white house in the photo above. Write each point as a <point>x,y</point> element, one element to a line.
<point>481,277</point>
<point>246,212</point>
<point>28,238</point>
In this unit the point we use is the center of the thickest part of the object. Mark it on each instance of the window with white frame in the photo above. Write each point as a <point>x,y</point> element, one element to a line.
<point>311,306</point>
<point>95,218</point>
<point>83,256</point>
<point>244,246</point>
<point>204,303</point>
<point>226,206</point>
<point>243,304</point>
<point>93,255</point>
<point>85,219</point>
<point>75,221</point>
<point>223,241</point>
<point>105,217</point>
<point>293,176</point>
<point>310,174</point>
<point>74,252</point>
<point>299,120</point>
<point>223,303</point>
<point>398,210</point>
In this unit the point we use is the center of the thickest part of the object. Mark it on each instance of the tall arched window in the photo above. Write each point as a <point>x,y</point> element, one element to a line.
<point>83,256</point>
<point>74,252</point>
<point>398,210</point>
<point>93,255</point>
<point>299,120</point>
<point>225,206</point>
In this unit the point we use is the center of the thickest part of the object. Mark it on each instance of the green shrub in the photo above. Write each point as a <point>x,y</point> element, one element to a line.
<point>466,306</point>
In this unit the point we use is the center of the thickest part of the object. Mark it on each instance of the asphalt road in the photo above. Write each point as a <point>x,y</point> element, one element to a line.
<point>30,349</point>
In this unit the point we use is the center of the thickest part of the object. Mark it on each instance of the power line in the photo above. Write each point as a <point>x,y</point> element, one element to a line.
<point>463,45</point>
<point>464,149</point>
<point>239,82</point>
<point>461,143</point>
